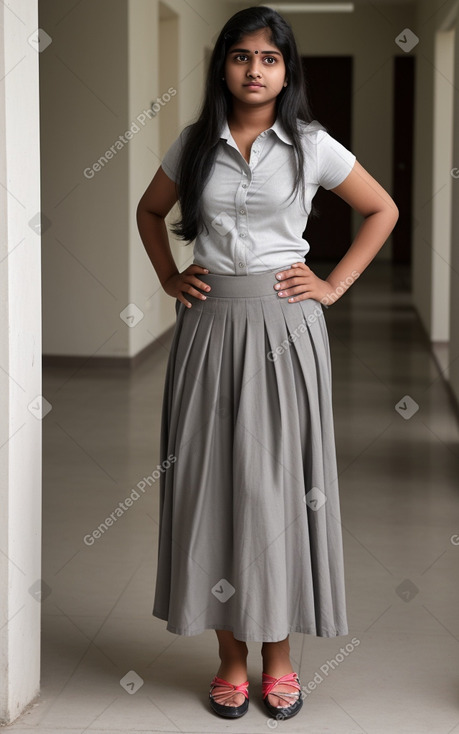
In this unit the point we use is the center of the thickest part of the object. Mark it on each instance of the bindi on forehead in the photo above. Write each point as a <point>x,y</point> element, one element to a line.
<point>247,51</point>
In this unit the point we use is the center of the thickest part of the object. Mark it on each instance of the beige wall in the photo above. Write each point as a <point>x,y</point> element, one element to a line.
<point>433,16</point>
<point>454,271</point>
<point>442,184</point>
<point>83,107</point>
<point>103,68</point>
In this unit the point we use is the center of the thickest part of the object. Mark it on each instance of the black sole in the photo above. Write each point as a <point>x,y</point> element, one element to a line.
<point>286,712</point>
<point>229,712</point>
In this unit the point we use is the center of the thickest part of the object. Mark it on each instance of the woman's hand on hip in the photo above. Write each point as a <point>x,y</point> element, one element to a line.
<point>186,282</point>
<point>299,283</point>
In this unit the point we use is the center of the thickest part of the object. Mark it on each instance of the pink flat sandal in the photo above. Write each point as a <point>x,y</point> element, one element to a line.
<point>231,712</point>
<point>282,712</point>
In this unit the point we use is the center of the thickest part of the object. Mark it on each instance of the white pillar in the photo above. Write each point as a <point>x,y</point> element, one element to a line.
<point>20,359</point>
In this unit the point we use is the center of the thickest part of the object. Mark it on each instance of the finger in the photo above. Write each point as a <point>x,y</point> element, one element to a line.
<point>193,292</point>
<point>289,272</point>
<point>295,272</point>
<point>302,280</point>
<point>200,284</point>
<point>305,297</point>
<point>301,297</point>
<point>192,280</point>
<point>282,278</point>
<point>182,299</point>
<point>294,291</point>
<point>299,267</point>
<point>303,270</point>
<point>282,274</point>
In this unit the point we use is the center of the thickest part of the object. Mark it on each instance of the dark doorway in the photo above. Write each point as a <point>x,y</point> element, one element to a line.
<point>402,162</point>
<point>329,89</point>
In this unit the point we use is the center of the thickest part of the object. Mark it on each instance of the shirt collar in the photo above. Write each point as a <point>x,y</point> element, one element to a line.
<point>277,127</point>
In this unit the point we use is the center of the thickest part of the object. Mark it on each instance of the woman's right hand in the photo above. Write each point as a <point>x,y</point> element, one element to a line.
<point>186,282</point>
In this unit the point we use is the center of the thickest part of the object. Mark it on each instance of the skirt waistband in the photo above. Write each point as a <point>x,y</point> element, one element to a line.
<point>234,286</point>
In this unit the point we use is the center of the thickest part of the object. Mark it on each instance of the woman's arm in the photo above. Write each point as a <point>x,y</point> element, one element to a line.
<point>361,191</point>
<point>153,207</point>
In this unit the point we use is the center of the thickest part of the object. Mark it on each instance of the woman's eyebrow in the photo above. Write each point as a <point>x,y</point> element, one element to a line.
<point>247,51</point>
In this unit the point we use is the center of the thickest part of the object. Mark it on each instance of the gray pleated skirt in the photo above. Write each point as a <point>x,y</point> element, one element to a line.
<point>250,535</point>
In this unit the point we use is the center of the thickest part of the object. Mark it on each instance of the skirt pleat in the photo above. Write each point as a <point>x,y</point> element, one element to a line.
<point>250,533</point>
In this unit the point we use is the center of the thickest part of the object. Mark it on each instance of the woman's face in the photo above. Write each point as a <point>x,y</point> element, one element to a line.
<point>265,69</point>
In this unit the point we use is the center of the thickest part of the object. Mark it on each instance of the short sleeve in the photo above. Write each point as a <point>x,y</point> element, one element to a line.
<point>334,161</point>
<point>171,158</point>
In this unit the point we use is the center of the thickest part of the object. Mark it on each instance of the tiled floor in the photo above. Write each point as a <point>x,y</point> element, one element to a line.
<point>400,512</point>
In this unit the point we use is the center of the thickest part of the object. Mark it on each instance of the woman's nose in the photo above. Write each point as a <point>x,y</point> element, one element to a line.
<point>253,69</point>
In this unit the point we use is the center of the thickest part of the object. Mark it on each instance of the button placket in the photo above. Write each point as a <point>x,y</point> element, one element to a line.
<point>256,149</point>
<point>240,254</point>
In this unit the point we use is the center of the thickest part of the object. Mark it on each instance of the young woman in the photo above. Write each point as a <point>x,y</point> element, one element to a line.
<point>250,539</point>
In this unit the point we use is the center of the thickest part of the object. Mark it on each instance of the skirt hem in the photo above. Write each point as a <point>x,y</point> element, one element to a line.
<point>244,637</point>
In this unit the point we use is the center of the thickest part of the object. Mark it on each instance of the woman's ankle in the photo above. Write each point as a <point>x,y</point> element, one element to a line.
<point>276,658</point>
<point>230,649</point>
<point>233,658</point>
<point>233,669</point>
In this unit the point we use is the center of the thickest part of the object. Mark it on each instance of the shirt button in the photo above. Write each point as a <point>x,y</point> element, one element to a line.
<point>241,265</point>
<point>242,234</point>
<point>241,211</point>
<point>244,186</point>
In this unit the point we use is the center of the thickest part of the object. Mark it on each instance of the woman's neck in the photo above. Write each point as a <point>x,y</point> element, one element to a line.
<point>245,117</point>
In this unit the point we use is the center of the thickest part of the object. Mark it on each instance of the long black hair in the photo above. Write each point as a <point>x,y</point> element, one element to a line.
<point>200,146</point>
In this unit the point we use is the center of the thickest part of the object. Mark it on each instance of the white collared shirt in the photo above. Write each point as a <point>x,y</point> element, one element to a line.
<point>253,222</point>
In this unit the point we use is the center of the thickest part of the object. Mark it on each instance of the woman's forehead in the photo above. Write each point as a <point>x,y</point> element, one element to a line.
<point>263,35</point>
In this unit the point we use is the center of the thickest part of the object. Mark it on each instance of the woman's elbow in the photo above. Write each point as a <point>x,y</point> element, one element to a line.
<point>394,208</point>
<point>392,212</point>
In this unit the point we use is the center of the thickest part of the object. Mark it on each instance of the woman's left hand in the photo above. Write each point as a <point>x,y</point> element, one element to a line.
<point>299,283</point>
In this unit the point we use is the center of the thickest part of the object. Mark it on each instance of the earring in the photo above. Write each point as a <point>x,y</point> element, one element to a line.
<point>223,78</point>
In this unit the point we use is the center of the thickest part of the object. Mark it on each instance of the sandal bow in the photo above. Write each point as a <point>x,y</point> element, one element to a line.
<point>229,711</point>
<point>269,682</point>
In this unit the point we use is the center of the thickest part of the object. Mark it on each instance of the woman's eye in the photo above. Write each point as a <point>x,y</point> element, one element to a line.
<point>244,57</point>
